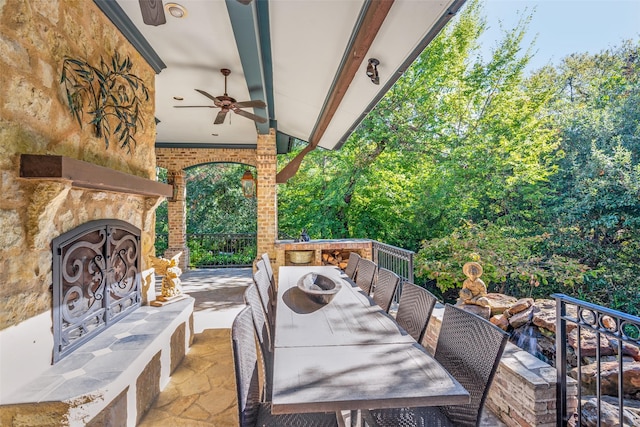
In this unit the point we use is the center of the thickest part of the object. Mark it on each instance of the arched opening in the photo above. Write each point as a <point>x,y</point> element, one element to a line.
<point>221,223</point>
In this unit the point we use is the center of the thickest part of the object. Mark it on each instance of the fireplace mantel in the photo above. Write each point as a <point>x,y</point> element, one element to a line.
<point>87,175</point>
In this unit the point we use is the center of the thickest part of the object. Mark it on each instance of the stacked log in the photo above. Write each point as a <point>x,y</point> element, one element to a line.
<point>337,258</point>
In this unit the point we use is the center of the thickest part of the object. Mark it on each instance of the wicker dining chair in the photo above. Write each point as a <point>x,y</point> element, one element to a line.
<point>264,290</point>
<point>263,332</point>
<point>365,273</point>
<point>414,310</point>
<point>352,265</point>
<point>251,410</point>
<point>470,348</point>
<point>385,288</point>
<point>265,263</point>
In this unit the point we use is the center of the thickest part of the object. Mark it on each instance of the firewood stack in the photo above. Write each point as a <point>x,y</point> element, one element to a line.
<point>338,258</point>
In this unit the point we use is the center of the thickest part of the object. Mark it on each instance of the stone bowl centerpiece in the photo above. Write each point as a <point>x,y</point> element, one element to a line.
<point>319,288</point>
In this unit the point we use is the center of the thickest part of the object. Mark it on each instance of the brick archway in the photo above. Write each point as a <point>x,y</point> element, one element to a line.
<point>263,157</point>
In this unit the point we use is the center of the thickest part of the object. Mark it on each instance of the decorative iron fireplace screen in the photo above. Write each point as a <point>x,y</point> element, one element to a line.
<point>96,281</point>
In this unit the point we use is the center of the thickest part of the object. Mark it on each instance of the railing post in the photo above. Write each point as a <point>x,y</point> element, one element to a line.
<point>561,363</point>
<point>598,320</point>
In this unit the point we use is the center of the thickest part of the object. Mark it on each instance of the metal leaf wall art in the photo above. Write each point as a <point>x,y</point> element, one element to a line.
<point>110,94</point>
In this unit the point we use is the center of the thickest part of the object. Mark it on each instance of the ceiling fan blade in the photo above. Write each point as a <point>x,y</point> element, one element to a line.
<point>208,95</point>
<point>220,117</point>
<point>195,106</point>
<point>152,12</point>
<point>249,115</point>
<point>254,104</point>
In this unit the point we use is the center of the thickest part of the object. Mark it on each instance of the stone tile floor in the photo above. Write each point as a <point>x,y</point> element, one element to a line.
<point>202,390</point>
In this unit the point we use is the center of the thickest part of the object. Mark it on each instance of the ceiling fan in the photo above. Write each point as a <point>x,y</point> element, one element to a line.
<point>227,103</point>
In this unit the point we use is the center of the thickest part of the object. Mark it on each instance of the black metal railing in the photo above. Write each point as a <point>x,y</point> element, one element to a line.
<point>216,250</point>
<point>398,260</point>
<point>619,328</point>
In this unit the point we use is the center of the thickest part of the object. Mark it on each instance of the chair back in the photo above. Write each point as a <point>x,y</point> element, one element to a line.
<point>263,332</point>
<point>365,273</point>
<point>264,290</point>
<point>470,348</point>
<point>268,267</point>
<point>385,288</point>
<point>352,265</point>
<point>414,310</point>
<point>252,298</point>
<point>264,264</point>
<point>245,359</point>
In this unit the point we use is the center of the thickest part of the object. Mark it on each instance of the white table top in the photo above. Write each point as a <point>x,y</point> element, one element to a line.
<point>351,318</point>
<point>349,354</point>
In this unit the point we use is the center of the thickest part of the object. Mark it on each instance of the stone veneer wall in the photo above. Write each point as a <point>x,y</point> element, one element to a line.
<point>35,37</point>
<point>523,392</point>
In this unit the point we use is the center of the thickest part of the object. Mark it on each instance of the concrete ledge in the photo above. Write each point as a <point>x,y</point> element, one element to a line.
<point>90,381</point>
<point>523,392</point>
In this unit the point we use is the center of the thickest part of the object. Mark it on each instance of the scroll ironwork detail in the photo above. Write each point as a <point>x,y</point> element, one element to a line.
<point>96,281</point>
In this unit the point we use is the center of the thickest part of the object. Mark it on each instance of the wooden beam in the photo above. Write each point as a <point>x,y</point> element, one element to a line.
<point>372,19</point>
<point>292,167</point>
<point>87,175</point>
<point>371,22</point>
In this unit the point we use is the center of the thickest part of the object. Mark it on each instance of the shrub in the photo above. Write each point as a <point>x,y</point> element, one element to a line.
<point>513,262</point>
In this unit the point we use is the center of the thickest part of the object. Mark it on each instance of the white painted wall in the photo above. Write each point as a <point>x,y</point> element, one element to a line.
<point>26,350</point>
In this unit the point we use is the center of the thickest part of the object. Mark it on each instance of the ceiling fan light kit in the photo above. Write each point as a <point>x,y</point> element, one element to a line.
<point>176,10</point>
<point>227,103</point>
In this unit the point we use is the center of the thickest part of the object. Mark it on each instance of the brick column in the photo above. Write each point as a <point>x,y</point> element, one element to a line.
<point>178,219</point>
<point>266,165</point>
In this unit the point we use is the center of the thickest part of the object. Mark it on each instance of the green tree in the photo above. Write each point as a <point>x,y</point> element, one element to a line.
<point>453,139</point>
<point>595,214</point>
<point>215,203</point>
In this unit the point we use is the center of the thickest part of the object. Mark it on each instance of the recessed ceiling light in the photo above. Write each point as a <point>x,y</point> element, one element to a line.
<point>178,98</point>
<point>176,10</point>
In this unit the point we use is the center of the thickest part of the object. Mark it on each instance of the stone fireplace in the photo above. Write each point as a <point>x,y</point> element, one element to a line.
<point>57,176</point>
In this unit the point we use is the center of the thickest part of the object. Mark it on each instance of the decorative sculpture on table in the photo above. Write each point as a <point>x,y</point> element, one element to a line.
<point>171,290</point>
<point>473,291</point>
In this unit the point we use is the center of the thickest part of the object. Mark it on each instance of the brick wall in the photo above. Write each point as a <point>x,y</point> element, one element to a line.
<point>263,157</point>
<point>266,192</point>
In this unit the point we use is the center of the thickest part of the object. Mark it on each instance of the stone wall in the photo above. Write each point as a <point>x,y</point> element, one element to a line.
<point>35,37</point>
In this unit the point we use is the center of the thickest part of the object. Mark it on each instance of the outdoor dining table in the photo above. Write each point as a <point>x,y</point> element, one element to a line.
<point>349,354</point>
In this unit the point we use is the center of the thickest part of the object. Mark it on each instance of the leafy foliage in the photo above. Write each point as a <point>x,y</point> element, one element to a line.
<point>108,93</point>
<point>513,263</point>
<point>596,205</point>
<point>215,202</point>
<point>537,175</point>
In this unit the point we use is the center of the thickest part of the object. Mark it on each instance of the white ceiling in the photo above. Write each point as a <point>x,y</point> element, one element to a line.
<point>303,53</point>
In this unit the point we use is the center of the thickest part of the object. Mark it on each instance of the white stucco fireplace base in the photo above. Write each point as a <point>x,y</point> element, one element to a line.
<point>112,379</point>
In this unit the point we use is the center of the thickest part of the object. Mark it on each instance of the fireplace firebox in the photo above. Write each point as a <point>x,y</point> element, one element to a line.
<point>96,281</point>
